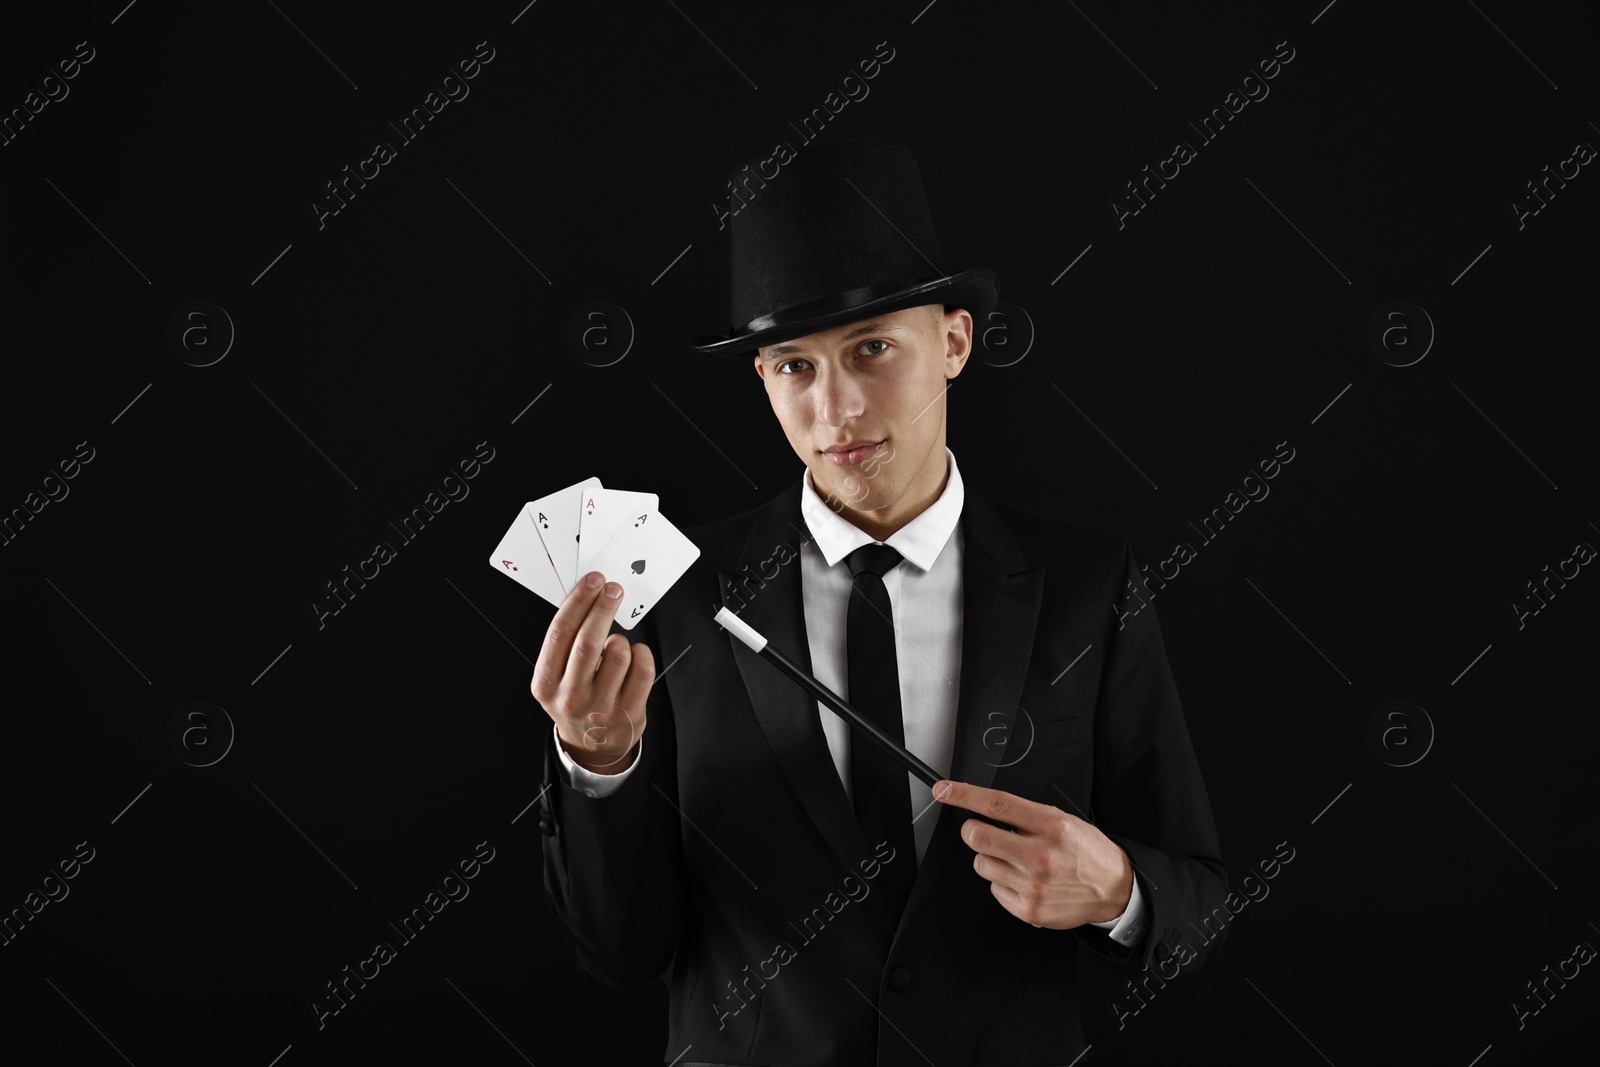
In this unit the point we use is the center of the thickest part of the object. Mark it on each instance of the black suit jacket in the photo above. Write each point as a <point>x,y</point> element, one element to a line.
<point>730,861</point>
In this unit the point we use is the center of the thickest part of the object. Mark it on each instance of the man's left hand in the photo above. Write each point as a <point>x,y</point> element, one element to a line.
<point>1054,871</point>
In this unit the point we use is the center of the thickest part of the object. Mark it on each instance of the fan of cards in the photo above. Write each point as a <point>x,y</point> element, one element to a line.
<point>559,538</point>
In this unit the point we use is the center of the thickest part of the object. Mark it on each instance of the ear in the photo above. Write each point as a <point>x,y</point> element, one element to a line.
<point>958,340</point>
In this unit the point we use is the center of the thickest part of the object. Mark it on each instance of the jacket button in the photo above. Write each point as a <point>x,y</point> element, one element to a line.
<point>899,979</point>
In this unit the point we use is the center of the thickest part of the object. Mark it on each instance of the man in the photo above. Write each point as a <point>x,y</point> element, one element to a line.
<point>806,899</point>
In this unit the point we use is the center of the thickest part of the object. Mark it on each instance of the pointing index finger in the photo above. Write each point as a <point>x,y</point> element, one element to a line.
<point>997,805</point>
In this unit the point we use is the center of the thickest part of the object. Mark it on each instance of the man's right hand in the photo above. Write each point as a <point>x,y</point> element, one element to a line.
<point>593,686</point>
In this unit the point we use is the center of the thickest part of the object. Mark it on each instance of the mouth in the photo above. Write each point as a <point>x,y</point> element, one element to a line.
<point>853,453</point>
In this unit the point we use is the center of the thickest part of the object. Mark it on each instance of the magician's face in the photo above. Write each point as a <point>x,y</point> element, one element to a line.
<point>879,382</point>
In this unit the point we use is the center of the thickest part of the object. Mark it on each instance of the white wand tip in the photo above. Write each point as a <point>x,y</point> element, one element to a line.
<point>740,629</point>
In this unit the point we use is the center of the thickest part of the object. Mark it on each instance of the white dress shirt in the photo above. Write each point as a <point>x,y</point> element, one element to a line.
<point>925,596</point>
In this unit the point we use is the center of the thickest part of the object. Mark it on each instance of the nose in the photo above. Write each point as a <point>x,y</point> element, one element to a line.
<point>840,396</point>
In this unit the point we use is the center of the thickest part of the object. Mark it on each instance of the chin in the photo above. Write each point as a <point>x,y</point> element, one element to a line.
<point>833,487</point>
<point>875,499</point>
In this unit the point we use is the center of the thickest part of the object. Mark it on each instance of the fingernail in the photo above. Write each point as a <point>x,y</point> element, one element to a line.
<point>613,590</point>
<point>942,791</point>
<point>593,579</point>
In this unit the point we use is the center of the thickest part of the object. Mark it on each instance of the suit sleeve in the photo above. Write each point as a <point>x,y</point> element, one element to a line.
<point>613,865</point>
<point>1149,796</point>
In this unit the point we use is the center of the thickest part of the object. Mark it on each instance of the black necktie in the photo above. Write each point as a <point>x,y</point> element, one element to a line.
<point>878,784</point>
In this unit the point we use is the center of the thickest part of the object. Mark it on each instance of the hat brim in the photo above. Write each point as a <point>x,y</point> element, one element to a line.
<point>976,290</point>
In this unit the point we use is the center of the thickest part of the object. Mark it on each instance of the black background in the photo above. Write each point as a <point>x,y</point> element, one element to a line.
<point>380,349</point>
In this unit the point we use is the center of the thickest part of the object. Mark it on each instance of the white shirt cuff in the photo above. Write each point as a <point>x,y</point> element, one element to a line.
<point>1126,928</point>
<point>592,784</point>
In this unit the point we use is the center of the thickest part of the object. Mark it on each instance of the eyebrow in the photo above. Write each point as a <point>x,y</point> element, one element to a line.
<point>859,331</point>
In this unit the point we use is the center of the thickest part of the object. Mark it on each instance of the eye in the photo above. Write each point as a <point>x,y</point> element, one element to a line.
<point>874,341</point>
<point>785,363</point>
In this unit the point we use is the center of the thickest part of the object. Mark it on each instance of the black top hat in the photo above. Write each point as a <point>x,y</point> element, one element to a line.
<point>840,232</point>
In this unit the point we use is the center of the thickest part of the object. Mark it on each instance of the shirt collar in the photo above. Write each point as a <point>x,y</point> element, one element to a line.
<point>920,540</point>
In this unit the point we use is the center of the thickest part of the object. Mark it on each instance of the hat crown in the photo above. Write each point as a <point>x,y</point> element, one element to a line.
<point>838,217</point>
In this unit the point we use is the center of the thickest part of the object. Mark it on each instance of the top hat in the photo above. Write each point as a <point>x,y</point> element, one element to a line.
<point>839,233</point>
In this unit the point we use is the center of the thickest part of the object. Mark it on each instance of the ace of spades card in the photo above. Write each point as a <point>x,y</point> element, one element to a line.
<point>645,559</point>
<point>603,514</point>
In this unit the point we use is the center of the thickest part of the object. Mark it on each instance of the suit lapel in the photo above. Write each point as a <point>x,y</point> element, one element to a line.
<point>788,715</point>
<point>1001,609</point>
<point>1001,596</point>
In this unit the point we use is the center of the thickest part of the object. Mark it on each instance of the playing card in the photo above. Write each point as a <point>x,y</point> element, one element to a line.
<point>556,518</point>
<point>645,560</point>
<point>521,556</point>
<point>604,514</point>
